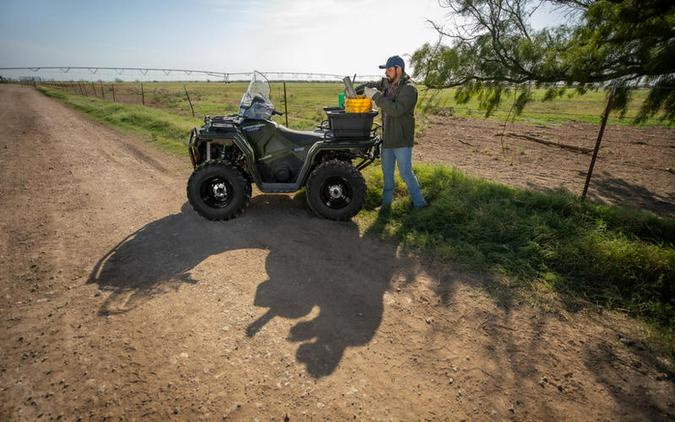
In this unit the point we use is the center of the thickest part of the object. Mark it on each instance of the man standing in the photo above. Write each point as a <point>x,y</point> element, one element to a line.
<point>397,103</point>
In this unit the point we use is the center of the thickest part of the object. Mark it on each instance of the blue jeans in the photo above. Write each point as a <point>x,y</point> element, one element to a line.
<point>402,156</point>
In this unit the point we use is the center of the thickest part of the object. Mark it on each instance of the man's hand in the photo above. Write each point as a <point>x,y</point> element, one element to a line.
<point>369,92</point>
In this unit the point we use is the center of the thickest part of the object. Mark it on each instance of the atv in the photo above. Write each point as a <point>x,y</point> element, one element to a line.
<point>230,153</point>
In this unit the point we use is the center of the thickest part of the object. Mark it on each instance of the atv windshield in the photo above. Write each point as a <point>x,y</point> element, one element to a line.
<point>256,104</point>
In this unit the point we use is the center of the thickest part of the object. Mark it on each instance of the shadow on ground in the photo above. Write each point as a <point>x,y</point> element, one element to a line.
<point>317,264</point>
<point>618,191</point>
<point>608,189</point>
<point>311,263</point>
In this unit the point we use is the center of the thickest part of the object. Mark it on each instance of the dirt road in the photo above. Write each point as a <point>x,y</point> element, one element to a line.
<point>117,302</point>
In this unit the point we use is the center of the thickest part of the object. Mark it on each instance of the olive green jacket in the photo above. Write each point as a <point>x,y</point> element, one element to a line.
<point>398,115</point>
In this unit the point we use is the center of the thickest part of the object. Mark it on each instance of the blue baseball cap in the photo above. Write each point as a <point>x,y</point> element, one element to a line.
<point>394,61</point>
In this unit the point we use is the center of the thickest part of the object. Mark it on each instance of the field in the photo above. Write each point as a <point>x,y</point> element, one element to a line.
<point>306,102</point>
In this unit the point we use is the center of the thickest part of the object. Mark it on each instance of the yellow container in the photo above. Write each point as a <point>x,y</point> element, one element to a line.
<point>358,105</point>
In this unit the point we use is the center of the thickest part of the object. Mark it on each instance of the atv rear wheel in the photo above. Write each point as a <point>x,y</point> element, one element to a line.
<point>336,190</point>
<point>218,191</point>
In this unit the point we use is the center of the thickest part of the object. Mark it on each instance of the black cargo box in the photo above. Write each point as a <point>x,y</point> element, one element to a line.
<point>345,125</point>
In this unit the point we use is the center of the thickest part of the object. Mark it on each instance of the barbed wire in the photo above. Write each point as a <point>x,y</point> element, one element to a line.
<point>128,92</point>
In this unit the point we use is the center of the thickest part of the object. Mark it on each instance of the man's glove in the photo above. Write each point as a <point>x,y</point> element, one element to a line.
<point>369,92</point>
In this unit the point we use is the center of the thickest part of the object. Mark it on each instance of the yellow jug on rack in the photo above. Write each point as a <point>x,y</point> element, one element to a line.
<point>360,104</point>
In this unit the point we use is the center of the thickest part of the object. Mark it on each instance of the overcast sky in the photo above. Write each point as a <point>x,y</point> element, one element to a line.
<point>326,36</point>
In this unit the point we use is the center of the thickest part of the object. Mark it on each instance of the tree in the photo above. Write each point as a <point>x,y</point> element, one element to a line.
<point>494,49</point>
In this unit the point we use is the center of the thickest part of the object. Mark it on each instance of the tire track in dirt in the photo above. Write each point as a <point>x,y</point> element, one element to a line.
<point>116,300</point>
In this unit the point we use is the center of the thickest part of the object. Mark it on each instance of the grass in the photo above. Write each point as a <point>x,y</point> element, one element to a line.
<point>168,130</point>
<point>537,242</point>
<point>306,102</point>
<point>565,108</point>
<point>583,253</point>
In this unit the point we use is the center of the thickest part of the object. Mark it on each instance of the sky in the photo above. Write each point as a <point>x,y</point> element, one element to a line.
<point>323,36</point>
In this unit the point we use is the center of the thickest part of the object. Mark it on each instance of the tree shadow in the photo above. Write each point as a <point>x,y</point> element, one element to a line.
<point>607,188</point>
<point>611,366</point>
<point>312,264</point>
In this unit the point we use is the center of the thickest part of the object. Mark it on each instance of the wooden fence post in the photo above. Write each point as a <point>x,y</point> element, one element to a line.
<point>113,90</point>
<point>142,94</point>
<point>603,123</point>
<point>93,87</point>
<point>189,102</point>
<point>102,92</point>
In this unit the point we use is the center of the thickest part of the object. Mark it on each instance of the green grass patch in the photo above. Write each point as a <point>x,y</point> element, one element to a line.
<point>584,252</point>
<point>168,130</point>
<point>305,102</point>
<point>567,106</point>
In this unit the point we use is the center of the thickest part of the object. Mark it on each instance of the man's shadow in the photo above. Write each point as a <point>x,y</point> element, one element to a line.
<point>312,263</point>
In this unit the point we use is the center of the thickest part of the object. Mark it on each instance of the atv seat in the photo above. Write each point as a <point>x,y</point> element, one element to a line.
<point>298,137</point>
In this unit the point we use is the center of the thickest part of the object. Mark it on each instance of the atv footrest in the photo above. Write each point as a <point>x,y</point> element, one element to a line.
<point>278,187</point>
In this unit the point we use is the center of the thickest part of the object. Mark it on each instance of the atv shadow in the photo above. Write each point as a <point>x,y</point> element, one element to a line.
<point>312,263</point>
<point>155,259</point>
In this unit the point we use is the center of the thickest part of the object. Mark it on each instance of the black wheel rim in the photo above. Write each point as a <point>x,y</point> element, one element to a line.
<point>336,193</point>
<point>216,192</point>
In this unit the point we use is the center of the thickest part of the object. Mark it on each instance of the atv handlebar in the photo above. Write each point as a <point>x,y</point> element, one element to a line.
<point>277,113</point>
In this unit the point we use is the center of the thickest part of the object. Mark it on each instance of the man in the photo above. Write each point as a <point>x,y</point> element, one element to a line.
<point>397,103</point>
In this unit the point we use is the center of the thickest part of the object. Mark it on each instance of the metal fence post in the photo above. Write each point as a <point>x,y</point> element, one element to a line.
<point>603,123</point>
<point>189,102</point>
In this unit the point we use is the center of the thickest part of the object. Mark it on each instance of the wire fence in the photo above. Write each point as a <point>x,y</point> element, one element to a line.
<point>199,98</point>
<point>178,89</point>
<point>184,91</point>
<point>210,95</point>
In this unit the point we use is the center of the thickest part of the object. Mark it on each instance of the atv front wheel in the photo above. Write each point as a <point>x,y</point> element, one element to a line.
<point>218,191</point>
<point>336,190</point>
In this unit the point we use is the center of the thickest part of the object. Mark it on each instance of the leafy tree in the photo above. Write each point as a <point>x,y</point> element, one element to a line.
<point>494,49</point>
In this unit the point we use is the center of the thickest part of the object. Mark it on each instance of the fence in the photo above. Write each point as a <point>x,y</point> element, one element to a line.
<point>177,90</point>
<point>635,165</point>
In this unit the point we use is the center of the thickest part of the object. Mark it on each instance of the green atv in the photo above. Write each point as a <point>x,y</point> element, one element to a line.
<point>230,153</point>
